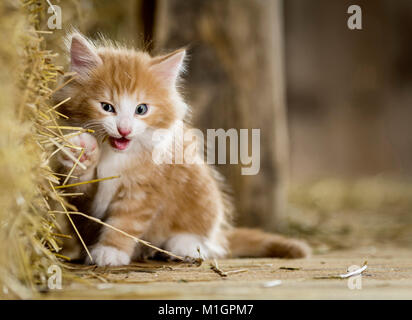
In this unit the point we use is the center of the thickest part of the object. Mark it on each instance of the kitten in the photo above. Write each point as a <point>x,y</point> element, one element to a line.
<point>125,96</point>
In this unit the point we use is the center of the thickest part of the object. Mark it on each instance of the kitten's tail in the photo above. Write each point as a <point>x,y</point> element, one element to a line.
<point>256,243</point>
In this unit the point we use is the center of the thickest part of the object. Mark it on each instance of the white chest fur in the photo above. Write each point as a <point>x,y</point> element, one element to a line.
<point>111,164</point>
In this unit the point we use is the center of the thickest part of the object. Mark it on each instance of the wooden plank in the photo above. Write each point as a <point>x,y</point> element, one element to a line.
<point>235,80</point>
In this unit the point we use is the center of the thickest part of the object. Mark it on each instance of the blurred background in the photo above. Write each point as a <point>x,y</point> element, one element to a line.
<point>333,104</point>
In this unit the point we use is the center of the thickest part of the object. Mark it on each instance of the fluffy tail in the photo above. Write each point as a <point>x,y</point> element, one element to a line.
<point>256,243</point>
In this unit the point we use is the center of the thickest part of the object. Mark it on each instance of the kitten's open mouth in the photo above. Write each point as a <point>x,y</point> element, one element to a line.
<point>119,143</point>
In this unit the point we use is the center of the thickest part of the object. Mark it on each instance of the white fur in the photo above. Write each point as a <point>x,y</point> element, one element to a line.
<point>113,161</point>
<point>193,246</point>
<point>108,256</point>
<point>125,117</point>
<point>90,150</point>
<point>111,164</point>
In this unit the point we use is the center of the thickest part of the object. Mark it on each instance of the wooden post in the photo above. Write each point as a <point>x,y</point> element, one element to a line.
<point>235,80</point>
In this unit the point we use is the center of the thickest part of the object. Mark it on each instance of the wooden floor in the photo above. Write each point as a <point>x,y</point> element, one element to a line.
<point>388,276</point>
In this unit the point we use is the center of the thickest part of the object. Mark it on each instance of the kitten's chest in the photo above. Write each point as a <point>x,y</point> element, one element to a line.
<point>111,164</point>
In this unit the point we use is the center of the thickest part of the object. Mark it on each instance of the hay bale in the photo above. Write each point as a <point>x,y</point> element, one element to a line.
<point>29,233</point>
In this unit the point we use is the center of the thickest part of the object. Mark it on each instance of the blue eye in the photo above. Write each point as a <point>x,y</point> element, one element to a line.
<point>107,107</point>
<point>141,109</point>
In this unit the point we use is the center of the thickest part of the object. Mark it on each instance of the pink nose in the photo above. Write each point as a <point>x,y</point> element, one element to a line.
<point>124,132</point>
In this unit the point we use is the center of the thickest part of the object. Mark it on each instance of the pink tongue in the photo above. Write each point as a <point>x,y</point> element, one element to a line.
<point>120,143</point>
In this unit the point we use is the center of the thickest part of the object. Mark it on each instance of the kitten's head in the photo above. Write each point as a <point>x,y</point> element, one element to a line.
<point>123,95</point>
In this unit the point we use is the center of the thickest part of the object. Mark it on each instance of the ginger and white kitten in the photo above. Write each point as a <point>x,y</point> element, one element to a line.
<point>124,96</point>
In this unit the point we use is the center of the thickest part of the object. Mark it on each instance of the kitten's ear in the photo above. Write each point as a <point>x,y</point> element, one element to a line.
<point>83,55</point>
<point>170,66</point>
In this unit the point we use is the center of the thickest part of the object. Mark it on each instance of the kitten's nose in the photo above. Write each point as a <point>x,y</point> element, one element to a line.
<point>124,131</point>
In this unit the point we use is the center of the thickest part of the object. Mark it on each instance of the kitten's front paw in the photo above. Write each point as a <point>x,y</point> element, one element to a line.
<point>91,150</point>
<point>108,256</point>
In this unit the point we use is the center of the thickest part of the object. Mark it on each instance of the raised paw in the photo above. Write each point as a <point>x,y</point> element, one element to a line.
<point>108,256</point>
<point>90,155</point>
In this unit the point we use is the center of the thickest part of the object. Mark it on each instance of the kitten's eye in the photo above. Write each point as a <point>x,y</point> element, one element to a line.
<point>107,107</point>
<point>141,109</point>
